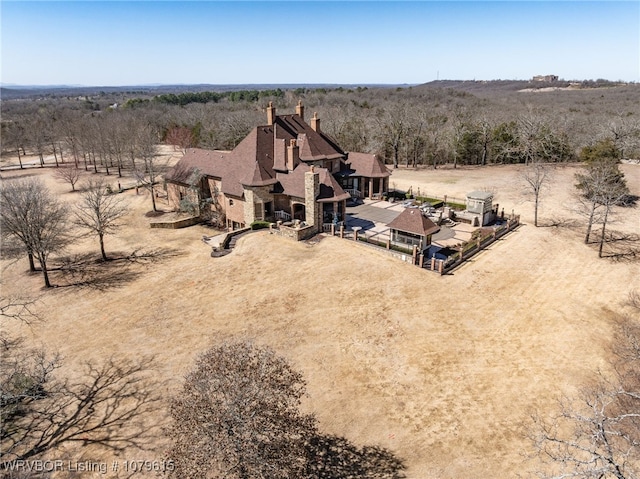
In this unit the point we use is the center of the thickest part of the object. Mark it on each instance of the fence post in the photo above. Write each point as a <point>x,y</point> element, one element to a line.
<point>441,266</point>
<point>355,235</point>
<point>414,255</point>
<point>388,244</point>
<point>433,263</point>
<point>341,231</point>
<point>422,260</point>
<point>333,229</point>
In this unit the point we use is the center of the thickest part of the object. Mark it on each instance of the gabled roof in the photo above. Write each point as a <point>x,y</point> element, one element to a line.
<point>249,164</point>
<point>292,184</point>
<point>252,159</point>
<point>365,164</point>
<point>330,189</point>
<point>260,160</point>
<point>207,162</point>
<point>411,220</point>
<point>314,145</point>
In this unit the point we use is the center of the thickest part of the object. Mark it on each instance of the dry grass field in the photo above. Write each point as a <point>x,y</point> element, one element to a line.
<point>442,371</point>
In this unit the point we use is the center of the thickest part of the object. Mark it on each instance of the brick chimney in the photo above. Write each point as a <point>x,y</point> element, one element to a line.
<point>293,155</point>
<point>300,109</point>
<point>271,113</point>
<point>315,122</point>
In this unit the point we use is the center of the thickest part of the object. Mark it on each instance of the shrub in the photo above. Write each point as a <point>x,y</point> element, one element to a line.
<point>258,225</point>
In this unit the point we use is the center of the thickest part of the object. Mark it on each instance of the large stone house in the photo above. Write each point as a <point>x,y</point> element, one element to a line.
<point>284,170</point>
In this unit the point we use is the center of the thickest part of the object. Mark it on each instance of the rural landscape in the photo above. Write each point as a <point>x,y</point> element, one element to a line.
<point>139,351</point>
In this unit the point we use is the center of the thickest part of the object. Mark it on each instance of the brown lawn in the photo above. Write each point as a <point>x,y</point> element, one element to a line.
<point>442,371</point>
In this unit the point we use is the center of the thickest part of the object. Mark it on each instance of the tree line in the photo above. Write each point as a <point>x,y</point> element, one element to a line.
<point>416,127</point>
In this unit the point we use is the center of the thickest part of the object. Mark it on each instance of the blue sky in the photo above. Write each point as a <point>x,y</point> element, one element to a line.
<point>357,42</point>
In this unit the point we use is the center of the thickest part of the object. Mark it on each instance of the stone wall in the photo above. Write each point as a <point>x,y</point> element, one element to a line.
<point>296,234</point>
<point>175,224</point>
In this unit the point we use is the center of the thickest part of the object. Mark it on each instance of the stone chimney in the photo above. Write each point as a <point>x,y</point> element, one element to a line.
<point>300,109</point>
<point>293,155</point>
<point>271,113</point>
<point>315,122</point>
<point>313,209</point>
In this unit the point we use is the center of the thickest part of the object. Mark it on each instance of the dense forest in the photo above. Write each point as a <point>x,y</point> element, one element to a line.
<point>430,125</point>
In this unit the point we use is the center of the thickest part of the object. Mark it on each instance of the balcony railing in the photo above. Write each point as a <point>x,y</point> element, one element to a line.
<point>354,193</point>
<point>282,215</point>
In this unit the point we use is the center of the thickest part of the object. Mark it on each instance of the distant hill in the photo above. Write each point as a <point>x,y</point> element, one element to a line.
<point>478,87</point>
<point>473,86</point>
<point>10,92</point>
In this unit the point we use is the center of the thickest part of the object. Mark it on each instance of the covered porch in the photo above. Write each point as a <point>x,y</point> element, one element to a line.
<point>363,187</point>
<point>295,209</point>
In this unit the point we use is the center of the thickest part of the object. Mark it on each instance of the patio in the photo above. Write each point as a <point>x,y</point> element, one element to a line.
<point>373,216</point>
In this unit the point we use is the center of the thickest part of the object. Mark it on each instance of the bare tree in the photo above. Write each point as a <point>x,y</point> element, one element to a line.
<point>38,136</point>
<point>99,212</point>
<point>598,435</point>
<point>603,186</point>
<point>346,125</point>
<point>19,308</point>
<point>41,412</point>
<point>392,129</point>
<point>536,177</point>
<point>69,125</point>
<point>625,133</point>
<point>180,137</point>
<point>14,134</point>
<point>435,137</point>
<point>38,220</point>
<point>237,416</point>
<point>148,172</point>
<point>69,173</point>
<point>458,127</point>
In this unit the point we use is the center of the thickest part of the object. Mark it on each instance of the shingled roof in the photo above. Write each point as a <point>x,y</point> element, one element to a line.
<point>292,184</point>
<point>252,159</point>
<point>249,164</point>
<point>207,162</point>
<point>411,220</point>
<point>314,145</point>
<point>365,164</point>
<point>260,160</point>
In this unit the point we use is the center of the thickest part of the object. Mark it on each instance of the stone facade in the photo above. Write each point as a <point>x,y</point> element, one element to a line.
<point>285,170</point>
<point>311,192</point>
